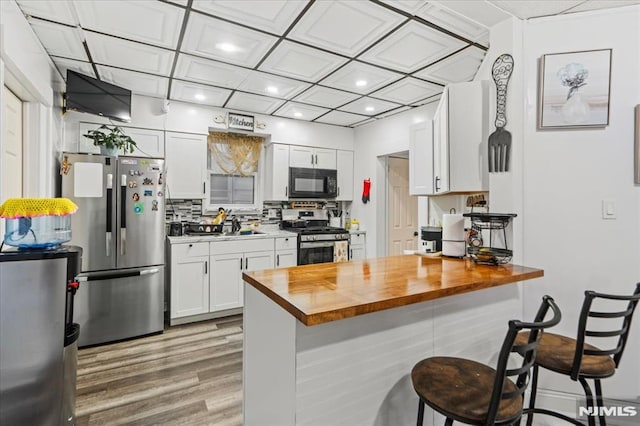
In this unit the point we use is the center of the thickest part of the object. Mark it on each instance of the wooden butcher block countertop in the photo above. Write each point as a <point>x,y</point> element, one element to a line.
<point>324,292</point>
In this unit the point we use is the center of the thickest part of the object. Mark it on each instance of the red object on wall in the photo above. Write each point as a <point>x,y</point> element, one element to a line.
<point>366,190</point>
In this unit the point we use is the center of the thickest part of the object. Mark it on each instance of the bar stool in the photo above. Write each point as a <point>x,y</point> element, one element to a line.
<point>579,360</point>
<point>474,393</point>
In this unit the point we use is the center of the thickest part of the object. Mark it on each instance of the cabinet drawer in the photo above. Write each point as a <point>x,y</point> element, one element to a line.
<point>286,243</point>
<point>242,246</point>
<point>180,251</point>
<point>357,239</point>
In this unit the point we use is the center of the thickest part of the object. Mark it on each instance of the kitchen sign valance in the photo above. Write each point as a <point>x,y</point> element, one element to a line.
<point>235,154</point>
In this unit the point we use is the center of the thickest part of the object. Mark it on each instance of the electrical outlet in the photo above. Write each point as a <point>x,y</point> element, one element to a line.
<point>608,209</point>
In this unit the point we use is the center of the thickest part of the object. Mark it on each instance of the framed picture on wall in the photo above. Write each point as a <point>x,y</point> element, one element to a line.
<point>574,89</point>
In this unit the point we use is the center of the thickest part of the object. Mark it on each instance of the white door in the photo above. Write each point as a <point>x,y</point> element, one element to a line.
<point>325,159</point>
<point>344,161</point>
<point>277,173</point>
<point>421,158</point>
<point>255,262</point>
<point>185,163</point>
<point>441,145</point>
<point>11,150</point>
<point>402,209</point>
<point>286,258</point>
<point>226,273</point>
<point>189,286</point>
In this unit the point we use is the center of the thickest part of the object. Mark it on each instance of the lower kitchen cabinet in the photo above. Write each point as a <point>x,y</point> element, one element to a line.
<point>357,245</point>
<point>286,252</point>
<point>190,279</point>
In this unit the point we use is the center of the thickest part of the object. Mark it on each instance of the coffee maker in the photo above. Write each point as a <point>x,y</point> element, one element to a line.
<point>430,239</point>
<point>175,229</point>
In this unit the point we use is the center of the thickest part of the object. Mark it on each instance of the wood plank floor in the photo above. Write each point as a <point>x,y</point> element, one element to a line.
<point>189,375</point>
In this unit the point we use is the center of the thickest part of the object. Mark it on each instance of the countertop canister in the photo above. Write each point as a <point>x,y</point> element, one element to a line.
<point>453,243</point>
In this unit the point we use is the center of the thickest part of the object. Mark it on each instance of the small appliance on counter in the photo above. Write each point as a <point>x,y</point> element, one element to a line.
<point>430,239</point>
<point>175,229</point>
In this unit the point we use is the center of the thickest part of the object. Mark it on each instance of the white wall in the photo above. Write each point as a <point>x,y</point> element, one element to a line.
<point>373,140</point>
<point>29,73</point>
<point>146,112</point>
<point>568,173</point>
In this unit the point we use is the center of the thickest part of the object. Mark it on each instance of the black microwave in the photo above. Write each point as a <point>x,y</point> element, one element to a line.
<point>312,183</point>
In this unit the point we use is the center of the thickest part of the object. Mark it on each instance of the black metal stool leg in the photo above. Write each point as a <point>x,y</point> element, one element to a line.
<point>600,402</point>
<point>448,422</point>
<point>589,395</point>
<point>532,398</point>
<point>420,412</point>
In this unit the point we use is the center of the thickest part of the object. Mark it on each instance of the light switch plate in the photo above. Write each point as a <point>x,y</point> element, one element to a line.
<point>609,208</point>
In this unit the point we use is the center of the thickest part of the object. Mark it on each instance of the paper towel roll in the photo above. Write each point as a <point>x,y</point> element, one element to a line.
<point>452,227</point>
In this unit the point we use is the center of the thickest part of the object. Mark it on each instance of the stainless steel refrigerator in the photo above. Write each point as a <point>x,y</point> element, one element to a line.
<point>120,224</point>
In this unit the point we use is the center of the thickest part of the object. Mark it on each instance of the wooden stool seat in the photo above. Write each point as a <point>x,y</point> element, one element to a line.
<point>461,389</point>
<point>556,353</point>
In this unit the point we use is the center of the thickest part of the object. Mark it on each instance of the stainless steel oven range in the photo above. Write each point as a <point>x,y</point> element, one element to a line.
<point>316,240</point>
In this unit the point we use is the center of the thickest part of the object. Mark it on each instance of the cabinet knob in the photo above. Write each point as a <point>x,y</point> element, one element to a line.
<point>190,245</point>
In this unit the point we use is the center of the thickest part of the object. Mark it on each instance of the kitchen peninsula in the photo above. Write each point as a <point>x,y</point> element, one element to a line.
<point>334,343</point>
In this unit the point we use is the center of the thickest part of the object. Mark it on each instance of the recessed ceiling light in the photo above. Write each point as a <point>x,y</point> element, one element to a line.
<point>200,97</point>
<point>369,109</point>
<point>227,47</point>
<point>297,114</point>
<point>361,83</point>
<point>272,89</point>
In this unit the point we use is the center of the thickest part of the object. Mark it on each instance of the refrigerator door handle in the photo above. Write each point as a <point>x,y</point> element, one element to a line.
<point>109,216</point>
<point>123,214</point>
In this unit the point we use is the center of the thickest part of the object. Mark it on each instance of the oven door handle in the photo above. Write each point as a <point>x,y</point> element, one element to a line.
<point>316,244</point>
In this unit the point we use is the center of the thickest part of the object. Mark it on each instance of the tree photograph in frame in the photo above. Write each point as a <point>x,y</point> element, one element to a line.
<point>574,89</point>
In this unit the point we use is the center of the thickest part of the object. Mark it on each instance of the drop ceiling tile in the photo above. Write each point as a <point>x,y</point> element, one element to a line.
<point>209,72</point>
<point>253,103</point>
<point>144,21</point>
<point>64,64</point>
<point>459,67</point>
<point>301,62</point>
<point>347,78</point>
<point>273,16</point>
<point>300,111</point>
<point>326,97</point>
<point>429,100</point>
<point>533,8</point>
<point>411,47</point>
<point>58,11</point>
<point>139,83</point>
<point>368,106</point>
<point>455,23</point>
<point>127,54</point>
<point>409,6</point>
<point>363,122</point>
<point>344,27</point>
<point>407,91</point>
<point>272,85</point>
<point>180,2</point>
<point>198,93</point>
<point>601,4</point>
<point>216,39</point>
<point>341,118</point>
<point>481,12</point>
<point>59,40</point>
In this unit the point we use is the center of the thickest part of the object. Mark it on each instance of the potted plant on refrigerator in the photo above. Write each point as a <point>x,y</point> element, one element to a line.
<point>111,140</point>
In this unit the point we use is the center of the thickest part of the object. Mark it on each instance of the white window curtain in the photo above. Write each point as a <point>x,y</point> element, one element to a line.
<point>234,154</point>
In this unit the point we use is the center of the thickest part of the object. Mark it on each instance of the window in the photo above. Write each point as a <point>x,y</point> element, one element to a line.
<point>232,163</point>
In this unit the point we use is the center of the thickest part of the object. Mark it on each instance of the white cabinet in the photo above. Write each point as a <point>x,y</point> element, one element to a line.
<point>276,185</point>
<point>286,252</point>
<point>229,259</point>
<point>357,245</point>
<point>149,143</point>
<point>312,158</point>
<point>186,165</point>
<point>344,161</point>
<point>421,158</point>
<point>189,279</point>
<point>457,161</point>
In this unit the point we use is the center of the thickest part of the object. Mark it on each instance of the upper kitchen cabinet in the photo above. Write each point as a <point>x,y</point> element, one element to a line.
<point>276,174</point>
<point>457,161</point>
<point>149,143</point>
<point>421,158</point>
<point>186,165</point>
<point>312,158</point>
<point>345,175</point>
